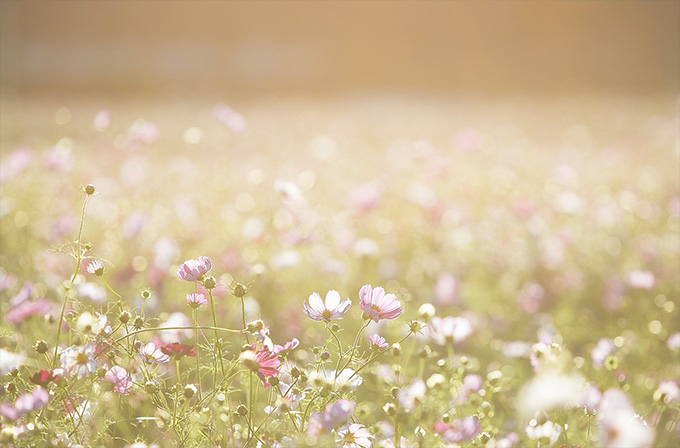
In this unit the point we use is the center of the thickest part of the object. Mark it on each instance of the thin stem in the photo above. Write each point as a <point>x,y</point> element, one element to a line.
<point>79,259</point>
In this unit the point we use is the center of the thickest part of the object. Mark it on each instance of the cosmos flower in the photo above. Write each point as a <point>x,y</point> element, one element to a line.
<point>152,355</point>
<point>458,430</point>
<point>196,300</point>
<point>449,330</point>
<point>285,348</point>
<point>326,310</point>
<point>194,270</point>
<point>335,414</point>
<point>377,342</point>
<point>378,305</point>
<point>26,309</point>
<point>547,433</point>
<point>118,376</point>
<point>604,348</point>
<point>620,426</point>
<point>44,377</point>
<point>263,362</point>
<point>78,361</point>
<point>177,350</point>
<point>354,436</point>
<point>96,267</point>
<point>26,403</point>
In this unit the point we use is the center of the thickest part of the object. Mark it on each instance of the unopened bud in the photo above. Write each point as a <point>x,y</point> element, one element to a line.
<point>255,326</point>
<point>209,282</point>
<point>240,290</point>
<point>139,322</point>
<point>146,294</point>
<point>124,317</point>
<point>41,346</point>
<point>89,189</point>
<point>325,356</point>
<point>396,349</point>
<point>150,387</point>
<point>190,390</point>
<point>273,381</point>
<point>242,410</point>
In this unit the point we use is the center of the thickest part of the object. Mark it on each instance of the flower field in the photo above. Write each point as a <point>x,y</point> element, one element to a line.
<point>373,270</point>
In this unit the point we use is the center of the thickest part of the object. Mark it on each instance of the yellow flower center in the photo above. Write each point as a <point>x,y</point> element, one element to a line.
<point>326,314</point>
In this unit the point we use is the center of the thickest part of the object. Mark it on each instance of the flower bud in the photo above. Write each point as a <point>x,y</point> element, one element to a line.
<point>325,356</point>
<point>139,322</point>
<point>150,387</point>
<point>273,381</point>
<point>255,326</point>
<point>89,189</point>
<point>335,327</point>
<point>240,290</point>
<point>390,409</point>
<point>146,294</point>
<point>190,390</point>
<point>396,349</point>
<point>394,391</point>
<point>101,372</point>
<point>209,282</point>
<point>242,410</point>
<point>41,346</point>
<point>295,372</point>
<point>124,317</point>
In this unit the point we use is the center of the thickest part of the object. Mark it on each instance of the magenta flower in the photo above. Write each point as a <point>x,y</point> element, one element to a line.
<point>378,305</point>
<point>194,270</point>
<point>196,300</point>
<point>151,354</point>
<point>377,342</point>
<point>264,363</point>
<point>118,376</point>
<point>330,308</point>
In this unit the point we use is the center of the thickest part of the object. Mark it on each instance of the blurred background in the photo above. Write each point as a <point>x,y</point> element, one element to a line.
<point>254,48</point>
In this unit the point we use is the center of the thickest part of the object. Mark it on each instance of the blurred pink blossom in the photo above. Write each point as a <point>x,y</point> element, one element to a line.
<point>15,163</point>
<point>640,279</point>
<point>235,121</point>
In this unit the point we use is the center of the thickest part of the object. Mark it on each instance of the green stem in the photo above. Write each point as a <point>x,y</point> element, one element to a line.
<point>79,259</point>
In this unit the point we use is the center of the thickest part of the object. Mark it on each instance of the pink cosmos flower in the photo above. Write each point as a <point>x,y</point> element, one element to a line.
<point>196,300</point>
<point>264,363</point>
<point>673,341</point>
<point>118,376</point>
<point>378,305</point>
<point>26,403</point>
<point>27,309</point>
<point>177,350</point>
<point>354,436</point>
<point>326,310</point>
<point>377,342</point>
<point>152,355</point>
<point>458,430</point>
<point>194,270</point>
<point>449,330</point>
<point>337,413</point>
<point>285,348</point>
